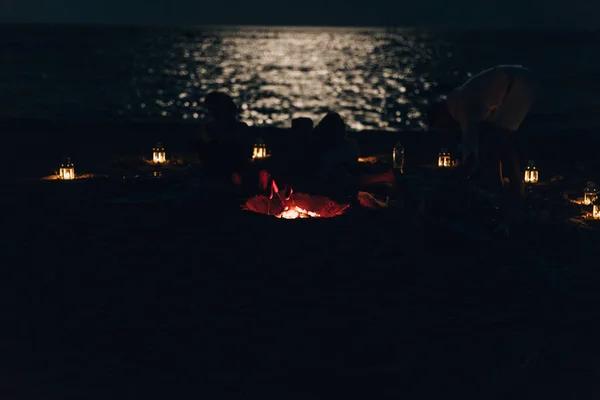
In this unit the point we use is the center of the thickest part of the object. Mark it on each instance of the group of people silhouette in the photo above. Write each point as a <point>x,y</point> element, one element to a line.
<point>318,158</point>
<point>486,111</point>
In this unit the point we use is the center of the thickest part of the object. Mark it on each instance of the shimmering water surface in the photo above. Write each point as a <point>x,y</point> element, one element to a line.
<point>376,78</point>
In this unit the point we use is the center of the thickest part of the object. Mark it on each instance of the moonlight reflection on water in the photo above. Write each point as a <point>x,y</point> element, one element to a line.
<point>369,76</point>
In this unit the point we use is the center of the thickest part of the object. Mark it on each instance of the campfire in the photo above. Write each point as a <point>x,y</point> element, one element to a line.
<point>297,212</point>
<point>282,204</point>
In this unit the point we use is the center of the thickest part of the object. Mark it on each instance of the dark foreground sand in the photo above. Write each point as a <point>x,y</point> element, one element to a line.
<point>166,289</point>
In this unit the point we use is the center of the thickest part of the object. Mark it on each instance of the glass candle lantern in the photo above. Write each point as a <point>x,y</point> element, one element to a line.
<point>590,194</point>
<point>260,150</point>
<point>159,156</point>
<point>596,211</point>
<point>67,170</point>
<point>531,173</point>
<point>444,159</point>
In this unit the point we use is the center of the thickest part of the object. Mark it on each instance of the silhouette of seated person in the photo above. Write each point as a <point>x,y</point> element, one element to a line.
<point>337,160</point>
<point>302,135</point>
<point>224,146</point>
<point>322,160</point>
<point>302,126</point>
<point>333,157</point>
<point>328,162</point>
<point>289,160</point>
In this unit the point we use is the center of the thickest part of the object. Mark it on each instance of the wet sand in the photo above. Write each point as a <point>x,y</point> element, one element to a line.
<point>165,288</point>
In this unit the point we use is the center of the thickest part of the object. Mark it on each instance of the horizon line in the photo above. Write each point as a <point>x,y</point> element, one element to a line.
<point>399,27</point>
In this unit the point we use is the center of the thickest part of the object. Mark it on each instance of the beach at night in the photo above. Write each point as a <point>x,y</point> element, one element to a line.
<point>262,211</point>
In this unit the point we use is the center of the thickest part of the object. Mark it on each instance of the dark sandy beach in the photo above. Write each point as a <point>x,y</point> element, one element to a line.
<point>164,288</point>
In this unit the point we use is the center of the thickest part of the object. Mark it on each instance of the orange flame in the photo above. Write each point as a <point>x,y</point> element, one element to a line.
<point>290,212</point>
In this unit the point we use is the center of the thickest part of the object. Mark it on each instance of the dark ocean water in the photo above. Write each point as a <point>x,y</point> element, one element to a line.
<point>376,78</point>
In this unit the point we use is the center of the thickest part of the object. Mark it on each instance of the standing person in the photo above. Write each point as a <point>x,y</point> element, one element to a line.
<point>489,108</point>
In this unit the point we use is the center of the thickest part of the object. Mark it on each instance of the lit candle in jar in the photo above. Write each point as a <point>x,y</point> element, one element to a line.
<point>590,194</point>
<point>260,150</point>
<point>159,156</point>
<point>531,173</point>
<point>444,159</point>
<point>67,170</point>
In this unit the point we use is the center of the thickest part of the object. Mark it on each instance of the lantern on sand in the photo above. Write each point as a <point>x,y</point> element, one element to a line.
<point>159,156</point>
<point>444,159</point>
<point>67,170</point>
<point>590,194</point>
<point>531,173</point>
<point>596,210</point>
<point>260,150</point>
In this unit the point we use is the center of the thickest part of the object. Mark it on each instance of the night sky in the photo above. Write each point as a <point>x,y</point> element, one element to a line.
<point>450,13</point>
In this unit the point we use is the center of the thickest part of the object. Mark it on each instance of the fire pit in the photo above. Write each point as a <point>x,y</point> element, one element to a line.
<point>294,205</point>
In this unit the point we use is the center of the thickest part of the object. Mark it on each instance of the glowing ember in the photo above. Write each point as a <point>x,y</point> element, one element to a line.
<point>297,212</point>
<point>368,160</point>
